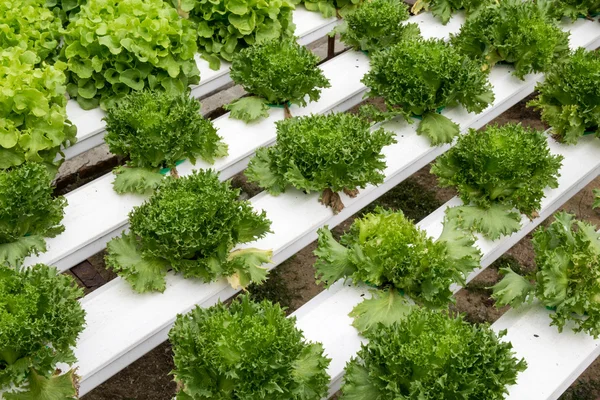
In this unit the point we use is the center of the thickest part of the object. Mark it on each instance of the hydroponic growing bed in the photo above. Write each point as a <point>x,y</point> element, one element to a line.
<point>477,65</point>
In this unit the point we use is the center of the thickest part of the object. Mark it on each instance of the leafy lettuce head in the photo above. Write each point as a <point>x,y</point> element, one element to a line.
<point>432,355</point>
<point>246,351</point>
<point>115,47</point>
<point>33,116</point>
<point>40,319</point>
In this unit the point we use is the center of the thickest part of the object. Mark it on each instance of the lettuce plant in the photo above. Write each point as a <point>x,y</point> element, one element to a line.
<point>567,257</point>
<point>323,153</point>
<point>418,77</point>
<point>443,9</point>
<point>574,9</point>
<point>33,116</point>
<point>432,356</point>
<point>386,250</point>
<point>331,8</point>
<point>224,27</point>
<point>115,47</point>
<point>156,130</point>
<point>28,24</point>
<point>191,225</point>
<point>275,72</point>
<point>245,351</point>
<point>28,212</point>
<point>40,319</point>
<point>521,33</point>
<point>66,10</point>
<point>569,97</point>
<point>376,25</point>
<point>495,172</point>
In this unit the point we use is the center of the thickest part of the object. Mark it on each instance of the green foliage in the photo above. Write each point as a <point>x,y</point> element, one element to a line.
<point>443,9</point>
<point>387,250</point>
<point>567,256</point>
<point>332,8</point>
<point>278,71</point>
<point>66,10</point>
<point>227,26</point>
<point>569,97</point>
<point>28,24</point>
<point>156,130</point>
<point>28,212</point>
<point>574,8</point>
<point>33,116</point>
<point>376,25</point>
<point>417,77</point>
<point>517,32</point>
<point>432,356</point>
<point>191,224</point>
<point>503,168</point>
<point>245,351</point>
<point>115,47</point>
<point>40,319</point>
<point>335,151</point>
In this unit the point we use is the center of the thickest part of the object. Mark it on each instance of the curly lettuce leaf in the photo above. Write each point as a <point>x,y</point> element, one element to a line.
<point>158,130</point>
<point>333,262</point>
<point>438,128</point>
<point>492,222</point>
<point>513,289</point>
<point>56,387</point>
<point>136,180</point>
<point>13,254</point>
<point>199,245</point>
<point>385,307</point>
<point>144,273</point>
<point>248,109</point>
<point>40,319</point>
<point>248,266</point>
